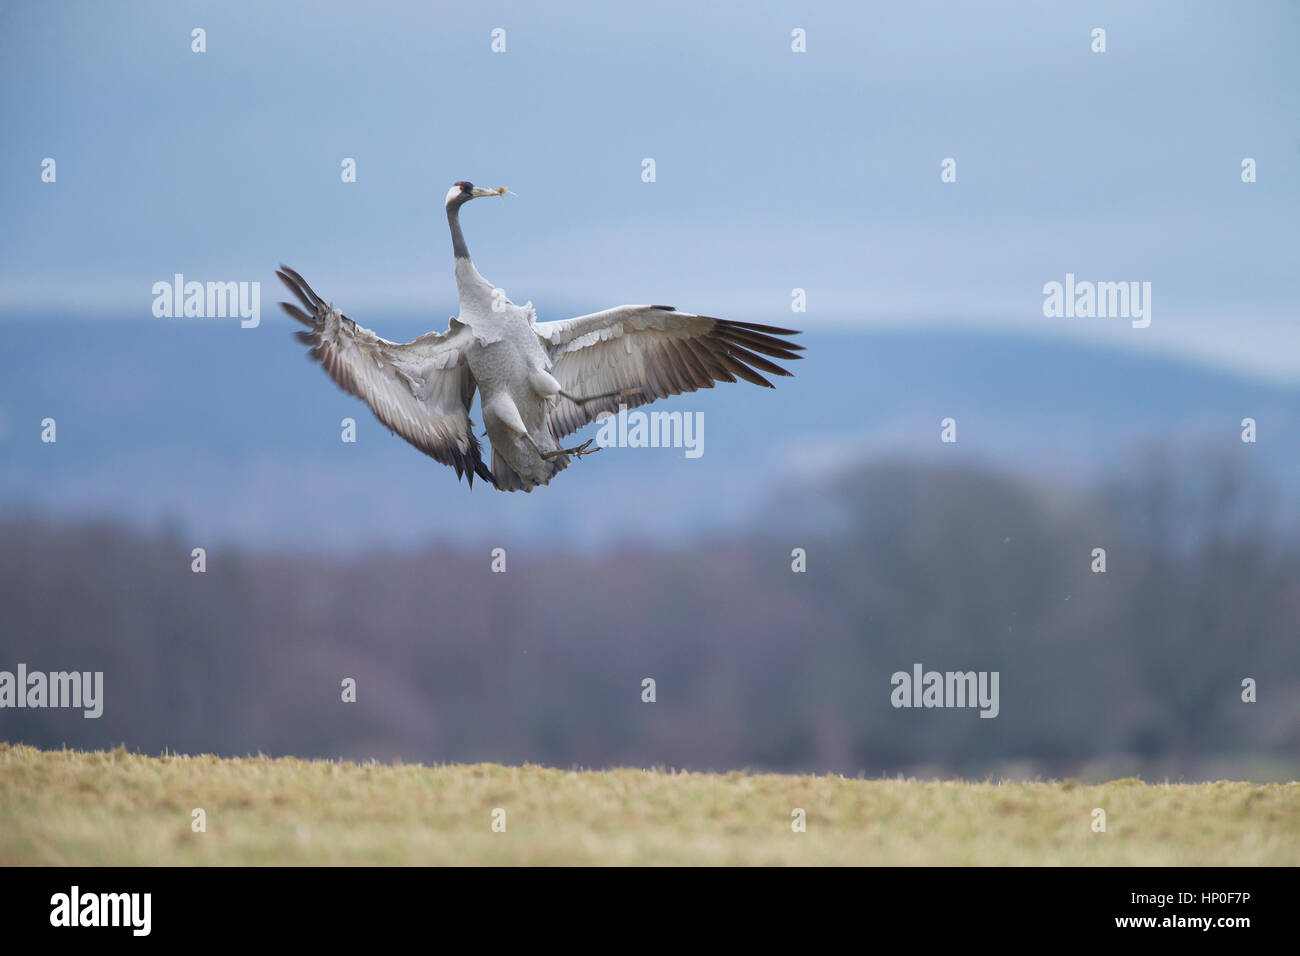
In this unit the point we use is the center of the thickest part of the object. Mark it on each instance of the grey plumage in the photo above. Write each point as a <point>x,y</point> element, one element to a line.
<point>405,385</point>
<point>539,381</point>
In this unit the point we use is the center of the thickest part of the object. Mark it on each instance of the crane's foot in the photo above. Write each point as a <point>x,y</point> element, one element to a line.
<point>622,396</point>
<point>583,449</point>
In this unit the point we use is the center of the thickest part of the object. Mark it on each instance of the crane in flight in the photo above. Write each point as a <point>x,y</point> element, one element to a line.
<point>540,381</point>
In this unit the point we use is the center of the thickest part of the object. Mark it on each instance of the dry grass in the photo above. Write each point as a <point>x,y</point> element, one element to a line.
<point>67,807</point>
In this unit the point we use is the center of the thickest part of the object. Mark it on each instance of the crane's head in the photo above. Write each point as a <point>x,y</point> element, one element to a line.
<point>461,193</point>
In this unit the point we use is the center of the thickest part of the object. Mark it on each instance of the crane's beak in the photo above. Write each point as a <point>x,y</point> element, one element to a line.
<point>479,192</point>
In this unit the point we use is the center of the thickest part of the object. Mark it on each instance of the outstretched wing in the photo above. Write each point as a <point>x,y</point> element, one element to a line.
<point>422,390</point>
<point>635,354</point>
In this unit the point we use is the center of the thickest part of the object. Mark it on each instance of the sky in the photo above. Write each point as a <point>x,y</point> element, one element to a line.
<point>775,170</point>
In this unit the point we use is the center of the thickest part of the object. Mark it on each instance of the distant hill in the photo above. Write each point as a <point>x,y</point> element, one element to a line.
<point>234,436</point>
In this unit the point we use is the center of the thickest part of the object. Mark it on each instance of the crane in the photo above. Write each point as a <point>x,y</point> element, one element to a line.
<point>540,381</point>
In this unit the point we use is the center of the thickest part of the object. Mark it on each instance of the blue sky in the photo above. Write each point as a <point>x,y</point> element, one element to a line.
<point>775,170</point>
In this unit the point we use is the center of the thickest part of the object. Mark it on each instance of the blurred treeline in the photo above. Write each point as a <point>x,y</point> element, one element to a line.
<point>1137,669</point>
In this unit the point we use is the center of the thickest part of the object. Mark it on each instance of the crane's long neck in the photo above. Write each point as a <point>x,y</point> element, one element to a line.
<point>458,247</point>
<point>475,291</point>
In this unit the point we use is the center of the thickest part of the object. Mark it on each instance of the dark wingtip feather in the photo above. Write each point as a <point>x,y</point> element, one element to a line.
<point>298,285</point>
<point>757,361</point>
<point>776,348</point>
<point>296,288</point>
<point>482,470</point>
<point>760,330</point>
<point>756,327</point>
<point>298,314</point>
<point>744,371</point>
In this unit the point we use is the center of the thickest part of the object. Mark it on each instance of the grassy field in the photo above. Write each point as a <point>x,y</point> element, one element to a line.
<point>67,807</point>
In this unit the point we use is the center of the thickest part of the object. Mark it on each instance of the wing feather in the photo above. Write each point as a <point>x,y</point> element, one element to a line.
<point>422,390</point>
<point>649,352</point>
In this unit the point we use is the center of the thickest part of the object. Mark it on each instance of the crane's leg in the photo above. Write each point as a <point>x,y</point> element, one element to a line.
<point>583,449</point>
<point>624,394</point>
